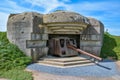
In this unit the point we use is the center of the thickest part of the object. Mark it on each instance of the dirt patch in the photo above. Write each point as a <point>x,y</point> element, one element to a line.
<point>3,79</point>
<point>118,63</point>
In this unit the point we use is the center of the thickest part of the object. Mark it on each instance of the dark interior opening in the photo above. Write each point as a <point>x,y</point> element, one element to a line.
<point>73,36</point>
<point>62,42</point>
<point>63,52</point>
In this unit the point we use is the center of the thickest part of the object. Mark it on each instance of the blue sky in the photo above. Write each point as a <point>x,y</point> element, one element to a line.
<point>107,11</point>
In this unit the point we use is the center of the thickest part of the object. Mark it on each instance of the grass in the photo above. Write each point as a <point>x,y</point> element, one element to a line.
<point>111,46</point>
<point>12,61</point>
<point>17,74</point>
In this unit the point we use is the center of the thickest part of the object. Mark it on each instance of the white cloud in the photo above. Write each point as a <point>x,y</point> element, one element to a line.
<point>6,10</point>
<point>114,31</point>
<point>66,0</point>
<point>3,21</point>
<point>13,7</point>
<point>48,5</point>
<point>95,6</point>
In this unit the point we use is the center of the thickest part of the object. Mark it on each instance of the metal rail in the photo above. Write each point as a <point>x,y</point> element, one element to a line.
<point>83,52</point>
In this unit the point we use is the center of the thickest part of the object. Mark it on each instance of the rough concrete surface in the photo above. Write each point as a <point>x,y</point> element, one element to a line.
<point>64,16</point>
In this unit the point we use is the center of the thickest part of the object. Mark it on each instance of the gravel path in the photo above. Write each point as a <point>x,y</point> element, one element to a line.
<point>45,76</point>
<point>105,69</point>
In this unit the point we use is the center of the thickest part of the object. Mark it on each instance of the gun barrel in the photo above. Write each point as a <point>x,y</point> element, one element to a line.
<point>83,52</point>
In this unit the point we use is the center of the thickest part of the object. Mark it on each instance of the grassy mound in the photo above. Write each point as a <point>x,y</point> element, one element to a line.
<point>111,46</point>
<point>12,60</point>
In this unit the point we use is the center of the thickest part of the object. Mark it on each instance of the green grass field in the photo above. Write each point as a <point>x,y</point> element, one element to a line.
<point>12,61</point>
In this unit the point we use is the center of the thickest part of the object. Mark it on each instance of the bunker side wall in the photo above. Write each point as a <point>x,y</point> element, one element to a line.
<point>20,27</point>
<point>91,39</point>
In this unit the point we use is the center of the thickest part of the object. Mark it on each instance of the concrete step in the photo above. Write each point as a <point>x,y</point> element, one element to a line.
<point>70,59</point>
<point>65,62</point>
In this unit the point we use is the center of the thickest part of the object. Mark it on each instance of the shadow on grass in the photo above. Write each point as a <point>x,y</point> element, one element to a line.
<point>109,44</point>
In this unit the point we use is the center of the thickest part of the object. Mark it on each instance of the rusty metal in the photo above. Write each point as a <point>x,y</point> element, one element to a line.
<point>57,50</point>
<point>57,46</point>
<point>83,52</point>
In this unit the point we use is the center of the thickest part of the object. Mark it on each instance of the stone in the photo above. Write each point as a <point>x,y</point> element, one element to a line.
<point>64,16</point>
<point>32,31</point>
<point>35,43</point>
<point>38,36</point>
<point>20,26</point>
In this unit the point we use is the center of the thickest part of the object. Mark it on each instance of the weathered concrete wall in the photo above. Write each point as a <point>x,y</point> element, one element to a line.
<point>91,38</point>
<point>64,16</point>
<point>20,27</point>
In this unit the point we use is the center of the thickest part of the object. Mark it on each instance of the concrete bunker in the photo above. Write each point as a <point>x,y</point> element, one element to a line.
<point>39,35</point>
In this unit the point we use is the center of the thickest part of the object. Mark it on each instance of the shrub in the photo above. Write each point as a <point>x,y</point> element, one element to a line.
<point>111,46</point>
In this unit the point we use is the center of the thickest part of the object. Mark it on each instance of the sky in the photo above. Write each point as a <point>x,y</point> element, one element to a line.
<point>107,11</point>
